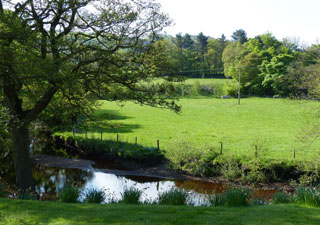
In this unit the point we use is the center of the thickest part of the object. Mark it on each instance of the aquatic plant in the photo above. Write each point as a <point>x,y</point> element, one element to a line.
<point>94,196</point>
<point>69,194</point>
<point>237,196</point>
<point>173,197</point>
<point>281,198</point>
<point>308,195</point>
<point>131,196</point>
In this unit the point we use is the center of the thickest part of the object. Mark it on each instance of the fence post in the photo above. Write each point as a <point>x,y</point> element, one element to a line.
<point>86,133</point>
<point>73,131</point>
<point>221,146</point>
<point>117,137</point>
<point>294,153</point>
<point>101,135</point>
<point>256,152</point>
<point>158,144</point>
<point>136,141</point>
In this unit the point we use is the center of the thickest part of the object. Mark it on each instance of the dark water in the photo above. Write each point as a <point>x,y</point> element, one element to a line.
<point>50,180</point>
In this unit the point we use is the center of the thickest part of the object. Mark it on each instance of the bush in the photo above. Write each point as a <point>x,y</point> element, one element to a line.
<point>94,196</point>
<point>231,89</point>
<point>309,196</point>
<point>131,196</point>
<point>237,197</point>
<point>69,194</point>
<point>281,198</point>
<point>173,197</point>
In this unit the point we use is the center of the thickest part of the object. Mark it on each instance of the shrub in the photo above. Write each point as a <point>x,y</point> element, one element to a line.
<point>281,198</point>
<point>231,89</point>
<point>173,197</point>
<point>309,196</point>
<point>131,196</point>
<point>231,169</point>
<point>217,200</point>
<point>69,194</point>
<point>94,196</point>
<point>237,196</point>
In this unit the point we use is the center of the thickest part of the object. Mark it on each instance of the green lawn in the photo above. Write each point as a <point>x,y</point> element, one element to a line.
<point>18,212</point>
<point>273,124</point>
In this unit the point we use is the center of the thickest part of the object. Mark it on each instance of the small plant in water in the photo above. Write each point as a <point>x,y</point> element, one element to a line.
<point>237,196</point>
<point>69,194</point>
<point>281,198</point>
<point>173,197</point>
<point>94,196</point>
<point>131,196</point>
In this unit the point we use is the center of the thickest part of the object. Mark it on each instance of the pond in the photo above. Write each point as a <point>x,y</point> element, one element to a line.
<point>49,180</point>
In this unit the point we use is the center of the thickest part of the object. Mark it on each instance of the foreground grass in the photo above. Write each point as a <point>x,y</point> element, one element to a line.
<point>272,124</point>
<point>35,212</point>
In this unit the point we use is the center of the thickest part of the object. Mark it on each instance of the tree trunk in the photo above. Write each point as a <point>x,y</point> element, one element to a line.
<point>21,157</point>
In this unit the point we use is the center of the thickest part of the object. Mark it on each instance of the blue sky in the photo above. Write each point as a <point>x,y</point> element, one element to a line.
<point>295,19</point>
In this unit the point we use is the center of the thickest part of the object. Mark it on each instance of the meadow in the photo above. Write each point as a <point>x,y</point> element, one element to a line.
<point>278,128</point>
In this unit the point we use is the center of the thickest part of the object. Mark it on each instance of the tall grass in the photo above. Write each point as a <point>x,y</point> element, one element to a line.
<point>237,197</point>
<point>69,194</point>
<point>131,196</point>
<point>308,196</point>
<point>281,198</point>
<point>173,197</point>
<point>94,196</point>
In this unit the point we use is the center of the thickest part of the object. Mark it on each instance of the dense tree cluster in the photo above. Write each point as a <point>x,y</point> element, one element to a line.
<point>267,65</point>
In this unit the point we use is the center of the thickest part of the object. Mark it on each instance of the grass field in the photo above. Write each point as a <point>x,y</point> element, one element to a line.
<point>208,81</point>
<point>18,212</point>
<point>274,125</point>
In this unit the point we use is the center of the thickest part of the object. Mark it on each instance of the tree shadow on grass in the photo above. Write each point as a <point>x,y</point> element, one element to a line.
<point>106,121</point>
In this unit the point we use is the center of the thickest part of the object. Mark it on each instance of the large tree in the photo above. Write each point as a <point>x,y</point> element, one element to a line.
<point>67,49</point>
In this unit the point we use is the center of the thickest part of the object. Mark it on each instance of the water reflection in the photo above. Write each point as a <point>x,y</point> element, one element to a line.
<point>50,180</point>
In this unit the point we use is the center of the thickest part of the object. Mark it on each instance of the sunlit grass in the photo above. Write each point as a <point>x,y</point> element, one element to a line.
<point>273,125</point>
<point>16,212</point>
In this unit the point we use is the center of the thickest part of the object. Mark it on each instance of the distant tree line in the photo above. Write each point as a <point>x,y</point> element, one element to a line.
<point>268,66</point>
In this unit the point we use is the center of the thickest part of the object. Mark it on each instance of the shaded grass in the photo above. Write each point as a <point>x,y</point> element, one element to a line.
<point>35,212</point>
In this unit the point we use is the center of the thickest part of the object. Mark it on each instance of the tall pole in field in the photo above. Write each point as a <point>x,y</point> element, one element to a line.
<point>239,86</point>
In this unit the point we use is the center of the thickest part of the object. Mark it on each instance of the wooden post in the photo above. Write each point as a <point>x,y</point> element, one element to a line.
<point>101,135</point>
<point>73,131</point>
<point>256,152</point>
<point>86,134</point>
<point>294,153</point>
<point>136,141</point>
<point>221,146</point>
<point>158,144</point>
<point>117,137</point>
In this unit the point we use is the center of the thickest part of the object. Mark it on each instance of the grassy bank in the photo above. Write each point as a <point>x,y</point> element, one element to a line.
<point>35,212</point>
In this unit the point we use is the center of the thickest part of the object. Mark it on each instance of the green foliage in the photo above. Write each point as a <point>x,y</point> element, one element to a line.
<point>26,195</point>
<point>131,196</point>
<point>308,196</point>
<point>173,197</point>
<point>231,169</point>
<point>237,197</point>
<point>94,196</point>
<point>69,194</point>
<point>217,200</point>
<point>109,149</point>
<point>281,198</point>
<point>231,89</point>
